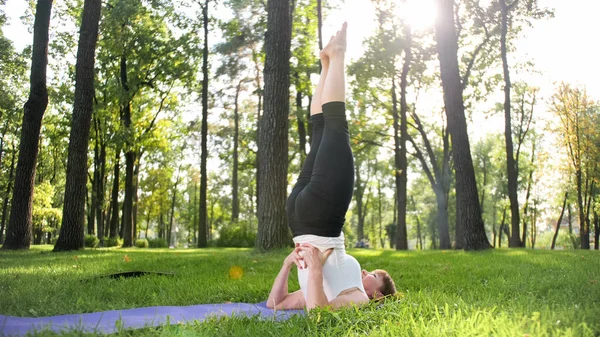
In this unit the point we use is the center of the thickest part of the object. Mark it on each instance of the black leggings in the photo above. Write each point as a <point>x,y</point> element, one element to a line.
<point>319,201</point>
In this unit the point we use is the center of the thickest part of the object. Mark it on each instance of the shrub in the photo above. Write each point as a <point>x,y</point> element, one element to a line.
<point>112,242</point>
<point>157,243</point>
<point>141,243</point>
<point>236,236</point>
<point>91,241</point>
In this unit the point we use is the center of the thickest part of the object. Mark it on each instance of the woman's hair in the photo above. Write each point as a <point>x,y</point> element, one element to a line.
<point>389,287</point>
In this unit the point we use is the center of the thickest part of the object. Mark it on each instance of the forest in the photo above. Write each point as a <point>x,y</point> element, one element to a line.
<point>184,123</point>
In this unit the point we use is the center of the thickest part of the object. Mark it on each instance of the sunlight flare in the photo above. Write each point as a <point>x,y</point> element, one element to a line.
<point>419,14</point>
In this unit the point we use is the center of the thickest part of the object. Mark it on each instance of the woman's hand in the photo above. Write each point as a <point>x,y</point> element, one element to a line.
<point>294,258</point>
<point>312,256</point>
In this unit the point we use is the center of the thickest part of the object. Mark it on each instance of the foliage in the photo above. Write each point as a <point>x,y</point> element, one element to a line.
<point>45,217</point>
<point>91,241</point>
<point>112,242</point>
<point>157,243</point>
<point>142,243</point>
<point>236,236</point>
<point>442,293</point>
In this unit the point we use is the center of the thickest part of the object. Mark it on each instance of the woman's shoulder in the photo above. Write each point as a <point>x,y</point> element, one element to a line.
<point>348,297</point>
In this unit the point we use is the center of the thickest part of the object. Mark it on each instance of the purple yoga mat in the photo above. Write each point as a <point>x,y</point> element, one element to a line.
<point>112,321</point>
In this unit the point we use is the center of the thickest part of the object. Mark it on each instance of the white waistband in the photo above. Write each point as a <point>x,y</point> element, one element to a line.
<point>322,242</point>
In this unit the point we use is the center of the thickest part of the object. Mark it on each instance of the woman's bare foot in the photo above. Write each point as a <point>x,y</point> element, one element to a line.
<point>336,45</point>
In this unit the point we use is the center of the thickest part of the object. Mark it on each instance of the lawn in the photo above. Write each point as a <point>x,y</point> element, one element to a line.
<point>442,293</point>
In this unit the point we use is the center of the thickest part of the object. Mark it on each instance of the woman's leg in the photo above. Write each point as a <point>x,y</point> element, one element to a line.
<point>317,121</point>
<point>335,84</point>
<point>320,208</point>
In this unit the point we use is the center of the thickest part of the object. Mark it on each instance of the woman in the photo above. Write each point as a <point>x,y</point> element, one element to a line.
<point>319,201</point>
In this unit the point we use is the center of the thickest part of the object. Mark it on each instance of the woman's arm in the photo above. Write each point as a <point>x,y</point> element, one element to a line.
<point>279,298</point>
<point>314,260</point>
<point>316,293</point>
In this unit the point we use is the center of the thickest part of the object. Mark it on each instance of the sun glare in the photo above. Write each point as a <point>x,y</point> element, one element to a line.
<point>420,14</point>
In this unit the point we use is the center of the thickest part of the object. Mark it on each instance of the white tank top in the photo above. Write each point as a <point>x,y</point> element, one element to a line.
<point>340,272</point>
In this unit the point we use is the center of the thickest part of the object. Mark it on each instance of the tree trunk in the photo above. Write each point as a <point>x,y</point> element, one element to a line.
<point>583,234</point>
<point>419,238</point>
<point>468,210</point>
<point>273,139</point>
<point>401,161</point>
<point>134,211</point>
<point>442,216</point>
<point>127,224</point>
<point>92,206</point>
<point>360,209</point>
<point>100,185</point>
<point>195,213</point>
<point>127,228</point>
<point>18,233</point>
<point>114,219</point>
<point>399,174</point>
<point>258,118</point>
<point>511,164</point>
<point>300,121</point>
<point>562,212</point>
<point>203,230</point>
<point>235,200</point>
<point>9,185</point>
<point>4,130</point>
<point>161,226</point>
<point>379,206</point>
<point>596,231</point>
<point>534,226</point>
<point>527,196</point>
<point>172,215</point>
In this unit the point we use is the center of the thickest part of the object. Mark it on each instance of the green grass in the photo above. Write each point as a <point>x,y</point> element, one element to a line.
<point>444,293</point>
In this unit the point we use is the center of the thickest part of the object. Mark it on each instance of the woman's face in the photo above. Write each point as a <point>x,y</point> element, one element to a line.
<point>373,283</point>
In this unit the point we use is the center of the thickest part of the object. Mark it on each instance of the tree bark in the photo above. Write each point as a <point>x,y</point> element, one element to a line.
<point>134,211</point>
<point>596,231</point>
<point>114,219</point>
<point>301,125</point>
<point>72,229</point>
<point>562,212</point>
<point>399,175</point>
<point>468,210</point>
<point>235,200</point>
<point>379,211</point>
<point>273,139</point>
<point>130,155</point>
<point>419,238</point>
<point>92,206</point>
<point>100,186</point>
<point>258,118</point>
<point>203,225</point>
<point>18,233</point>
<point>511,165</point>
<point>9,185</point>
<point>361,210</point>
<point>4,130</point>
<point>172,215</point>
<point>401,161</point>
<point>195,213</point>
